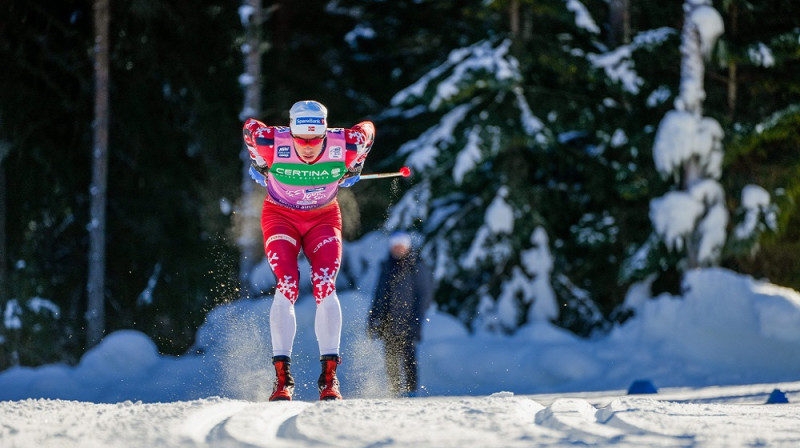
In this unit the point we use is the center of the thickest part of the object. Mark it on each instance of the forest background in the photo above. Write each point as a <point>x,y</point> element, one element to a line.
<point>181,225</point>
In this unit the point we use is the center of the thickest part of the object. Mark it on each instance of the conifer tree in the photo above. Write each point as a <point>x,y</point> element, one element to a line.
<point>489,176</point>
<point>688,147</point>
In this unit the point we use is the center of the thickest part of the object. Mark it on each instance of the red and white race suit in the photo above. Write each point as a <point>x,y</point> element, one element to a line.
<point>301,213</point>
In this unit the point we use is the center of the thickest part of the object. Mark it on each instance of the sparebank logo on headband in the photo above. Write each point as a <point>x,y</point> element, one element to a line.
<point>309,120</point>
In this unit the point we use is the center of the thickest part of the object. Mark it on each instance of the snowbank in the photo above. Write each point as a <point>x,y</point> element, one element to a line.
<point>725,329</point>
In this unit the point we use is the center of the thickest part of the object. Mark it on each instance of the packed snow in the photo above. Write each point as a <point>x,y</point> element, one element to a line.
<point>714,355</point>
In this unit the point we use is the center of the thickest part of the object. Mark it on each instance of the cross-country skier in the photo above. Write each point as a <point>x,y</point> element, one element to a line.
<point>302,166</point>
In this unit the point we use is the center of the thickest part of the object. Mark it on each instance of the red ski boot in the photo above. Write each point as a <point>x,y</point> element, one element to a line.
<point>328,383</point>
<point>283,388</point>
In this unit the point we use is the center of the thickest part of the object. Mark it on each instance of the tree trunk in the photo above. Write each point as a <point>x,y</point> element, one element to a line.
<point>4,292</point>
<point>733,26</point>
<point>249,239</point>
<point>95,288</point>
<point>513,17</point>
<point>619,23</point>
<point>520,27</point>
<point>732,89</point>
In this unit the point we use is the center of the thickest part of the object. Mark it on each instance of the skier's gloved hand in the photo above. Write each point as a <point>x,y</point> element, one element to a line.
<point>258,176</point>
<point>349,181</point>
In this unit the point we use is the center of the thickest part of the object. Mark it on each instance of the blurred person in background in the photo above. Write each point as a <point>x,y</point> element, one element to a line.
<point>403,294</point>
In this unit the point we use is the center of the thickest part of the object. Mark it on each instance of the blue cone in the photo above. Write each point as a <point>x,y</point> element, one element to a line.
<point>777,396</point>
<point>642,387</point>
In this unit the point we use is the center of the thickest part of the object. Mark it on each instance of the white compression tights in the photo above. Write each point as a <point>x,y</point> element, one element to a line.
<point>282,325</point>
<point>327,325</point>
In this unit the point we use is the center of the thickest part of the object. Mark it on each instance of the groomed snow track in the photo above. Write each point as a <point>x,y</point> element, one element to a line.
<point>736,418</point>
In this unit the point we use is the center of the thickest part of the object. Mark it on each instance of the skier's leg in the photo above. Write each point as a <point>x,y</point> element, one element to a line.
<point>328,325</point>
<point>282,325</point>
<point>323,247</point>
<point>282,246</point>
<point>282,256</point>
<point>282,243</point>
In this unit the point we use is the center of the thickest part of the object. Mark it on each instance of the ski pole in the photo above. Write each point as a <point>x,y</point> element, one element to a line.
<point>404,172</point>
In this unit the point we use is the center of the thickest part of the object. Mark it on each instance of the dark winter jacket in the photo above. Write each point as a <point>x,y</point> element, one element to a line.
<point>404,293</point>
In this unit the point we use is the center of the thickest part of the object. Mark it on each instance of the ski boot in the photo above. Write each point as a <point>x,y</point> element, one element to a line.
<point>328,383</point>
<point>283,388</point>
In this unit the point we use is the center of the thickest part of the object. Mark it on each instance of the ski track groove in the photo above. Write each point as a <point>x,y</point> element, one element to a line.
<point>582,421</point>
<point>305,424</point>
<point>289,431</point>
<point>257,425</point>
<point>707,424</point>
<point>202,425</point>
<point>435,422</point>
<point>576,416</point>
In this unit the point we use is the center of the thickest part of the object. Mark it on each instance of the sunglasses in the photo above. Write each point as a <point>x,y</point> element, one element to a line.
<point>308,141</point>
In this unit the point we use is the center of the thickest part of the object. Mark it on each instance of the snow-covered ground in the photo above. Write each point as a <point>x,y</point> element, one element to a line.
<point>715,354</point>
<point>719,417</point>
